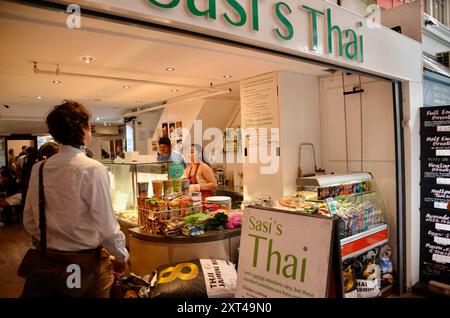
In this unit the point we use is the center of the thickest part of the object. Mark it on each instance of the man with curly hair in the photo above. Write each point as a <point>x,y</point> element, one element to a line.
<point>80,224</point>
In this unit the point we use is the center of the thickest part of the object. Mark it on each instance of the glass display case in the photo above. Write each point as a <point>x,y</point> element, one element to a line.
<point>354,199</point>
<point>126,178</point>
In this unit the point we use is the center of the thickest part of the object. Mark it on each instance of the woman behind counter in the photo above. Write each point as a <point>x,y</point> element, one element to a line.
<point>199,173</point>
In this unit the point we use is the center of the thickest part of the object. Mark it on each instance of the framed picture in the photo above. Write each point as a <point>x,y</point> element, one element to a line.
<point>154,146</point>
<point>172,132</point>
<point>179,129</point>
<point>165,130</point>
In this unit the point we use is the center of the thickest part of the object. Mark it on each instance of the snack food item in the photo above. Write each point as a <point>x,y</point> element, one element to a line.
<point>177,185</point>
<point>185,186</point>
<point>168,187</point>
<point>158,186</point>
<point>143,189</point>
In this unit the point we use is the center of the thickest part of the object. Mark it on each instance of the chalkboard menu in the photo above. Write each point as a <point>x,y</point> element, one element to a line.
<point>435,194</point>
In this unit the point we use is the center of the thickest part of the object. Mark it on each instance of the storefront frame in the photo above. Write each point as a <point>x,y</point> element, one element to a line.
<point>396,90</point>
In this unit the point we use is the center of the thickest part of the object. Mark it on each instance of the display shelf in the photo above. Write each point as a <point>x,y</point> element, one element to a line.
<point>361,243</point>
<point>329,180</point>
<point>344,196</point>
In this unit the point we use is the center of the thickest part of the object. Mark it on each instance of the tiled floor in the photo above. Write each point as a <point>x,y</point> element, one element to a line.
<point>14,242</point>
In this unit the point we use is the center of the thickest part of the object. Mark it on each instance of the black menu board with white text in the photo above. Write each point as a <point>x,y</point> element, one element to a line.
<point>435,194</point>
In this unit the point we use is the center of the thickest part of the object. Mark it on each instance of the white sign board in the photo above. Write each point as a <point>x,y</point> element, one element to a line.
<point>284,255</point>
<point>299,27</point>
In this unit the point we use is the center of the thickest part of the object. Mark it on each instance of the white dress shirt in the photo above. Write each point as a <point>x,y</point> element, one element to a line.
<point>78,205</point>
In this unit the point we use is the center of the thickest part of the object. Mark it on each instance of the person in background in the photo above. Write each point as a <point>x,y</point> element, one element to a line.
<point>28,162</point>
<point>89,153</point>
<point>167,155</point>
<point>12,162</point>
<point>80,221</point>
<point>23,152</point>
<point>120,153</point>
<point>199,173</point>
<point>19,163</point>
<point>47,150</point>
<point>10,193</point>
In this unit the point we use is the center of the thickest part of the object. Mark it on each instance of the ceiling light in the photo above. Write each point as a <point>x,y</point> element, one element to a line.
<point>126,87</point>
<point>170,69</point>
<point>56,82</point>
<point>227,76</point>
<point>174,90</point>
<point>39,97</point>
<point>97,119</point>
<point>87,59</point>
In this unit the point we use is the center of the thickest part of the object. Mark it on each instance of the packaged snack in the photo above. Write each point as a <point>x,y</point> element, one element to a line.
<point>168,187</point>
<point>185,186</point>
<point>157,186</point>
<point>143,189</point>
<point>177,185</point>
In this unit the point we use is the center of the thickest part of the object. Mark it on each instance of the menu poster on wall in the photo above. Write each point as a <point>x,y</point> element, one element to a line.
<point>284,255</point>
<point>259,102</point>
<point>435,248</point>
<point>435,144</point>
<point>435,195</point>
<point>436,170</point>
<point>435,119</point>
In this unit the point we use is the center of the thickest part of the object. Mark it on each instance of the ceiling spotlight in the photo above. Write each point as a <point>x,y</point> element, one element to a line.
<point>39,97</point>
<point>174,90</point>
<point>87,59</point>
<point>170,69</point>
<point>227,76</point>
<point>126,87</point>
<point>56,82</point>
<point>97,119</point>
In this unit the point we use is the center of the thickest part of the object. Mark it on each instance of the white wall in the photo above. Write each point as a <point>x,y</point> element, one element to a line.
<point>356,6</point>
<point>299,123</point>
<point>412,101</point>
<point>377,135</point>
<point>145,127</point>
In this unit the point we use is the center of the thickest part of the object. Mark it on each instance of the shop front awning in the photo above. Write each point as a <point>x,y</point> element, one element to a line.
<point>432,65</point>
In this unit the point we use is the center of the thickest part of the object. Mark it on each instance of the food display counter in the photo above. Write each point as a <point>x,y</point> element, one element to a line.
<point>164,223</point>
<point>148,251</point>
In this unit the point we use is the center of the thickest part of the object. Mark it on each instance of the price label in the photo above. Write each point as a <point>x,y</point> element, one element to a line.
<point>331,205</point>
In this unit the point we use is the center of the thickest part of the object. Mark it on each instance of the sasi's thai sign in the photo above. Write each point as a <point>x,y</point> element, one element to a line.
<point>339,40</point>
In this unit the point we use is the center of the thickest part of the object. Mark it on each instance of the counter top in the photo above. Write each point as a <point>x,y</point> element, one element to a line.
<point>209,236</point>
